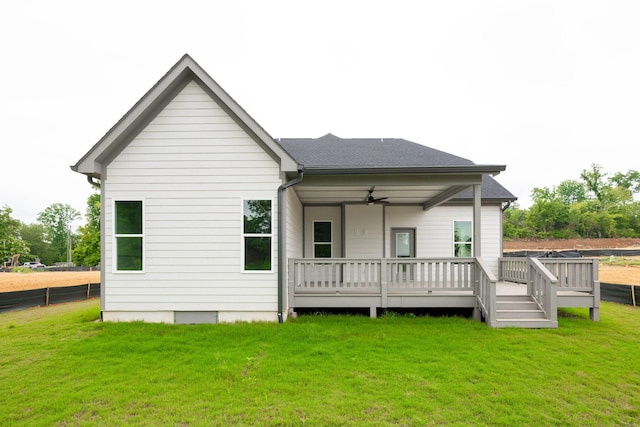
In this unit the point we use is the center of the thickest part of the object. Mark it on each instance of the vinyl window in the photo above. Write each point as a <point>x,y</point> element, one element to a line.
<point>322,239</point>
<point>462,238</point>
<point>257,235</point>
<point>128,235</point>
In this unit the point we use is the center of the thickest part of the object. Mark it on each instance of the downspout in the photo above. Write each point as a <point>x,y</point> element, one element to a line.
<point>282,260</point>
<point>505,207</point>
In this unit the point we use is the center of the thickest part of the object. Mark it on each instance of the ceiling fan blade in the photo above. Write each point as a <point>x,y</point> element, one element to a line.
<point>371,200</point>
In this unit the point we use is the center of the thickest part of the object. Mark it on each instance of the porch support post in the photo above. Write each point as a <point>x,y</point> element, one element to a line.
<point>477,204</point>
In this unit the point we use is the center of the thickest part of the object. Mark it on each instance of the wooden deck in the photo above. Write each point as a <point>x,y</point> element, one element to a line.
<point>449,283</point>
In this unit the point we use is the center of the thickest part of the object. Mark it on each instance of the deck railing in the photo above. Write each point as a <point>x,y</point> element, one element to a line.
<point>576,280</point>
<point>576,274</point>
<point>486,293</point>
<point>514,269</point>
<point>573,274</point>
<point>343,275</point>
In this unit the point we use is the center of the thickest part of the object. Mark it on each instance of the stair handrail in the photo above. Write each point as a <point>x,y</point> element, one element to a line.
<point>486,283</point>
<point>542,286</point>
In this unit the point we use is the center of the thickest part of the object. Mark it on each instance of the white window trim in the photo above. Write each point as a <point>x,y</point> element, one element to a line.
<point>243,235</point>
<point>313,234</point>
<point>114,244</point>
<point>453,237</point>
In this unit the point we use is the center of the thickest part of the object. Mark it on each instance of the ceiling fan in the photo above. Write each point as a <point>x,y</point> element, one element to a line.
<point>371,200</point>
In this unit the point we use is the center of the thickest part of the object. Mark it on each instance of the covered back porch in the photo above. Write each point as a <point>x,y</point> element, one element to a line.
<point>527,292</point>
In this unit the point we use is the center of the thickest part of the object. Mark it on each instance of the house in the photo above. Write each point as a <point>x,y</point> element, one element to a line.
<point>206,218</point>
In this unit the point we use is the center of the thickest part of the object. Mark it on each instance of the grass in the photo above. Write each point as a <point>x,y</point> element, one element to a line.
<point>22,270</point>
<point>620,261</point>
<point>59,367</point>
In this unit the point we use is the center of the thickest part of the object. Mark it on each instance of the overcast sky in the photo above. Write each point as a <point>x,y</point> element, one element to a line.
<point>544,87</point>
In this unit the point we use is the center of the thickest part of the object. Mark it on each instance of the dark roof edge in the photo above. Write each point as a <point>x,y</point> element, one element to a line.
<point>475,169</point>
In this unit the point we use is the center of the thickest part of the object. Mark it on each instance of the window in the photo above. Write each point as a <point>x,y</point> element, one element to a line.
<point>128,235</point>
<point>256,235</point>
<point>462,239</point>
<point>322,240</point>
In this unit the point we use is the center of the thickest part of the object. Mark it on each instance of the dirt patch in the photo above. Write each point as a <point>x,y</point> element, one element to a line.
<point>619,275</point>
<point>46,279</point>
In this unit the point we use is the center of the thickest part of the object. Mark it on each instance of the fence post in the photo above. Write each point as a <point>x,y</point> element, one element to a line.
<point>46,298</point>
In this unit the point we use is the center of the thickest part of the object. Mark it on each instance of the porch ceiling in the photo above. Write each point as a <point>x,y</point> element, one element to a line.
<point>428,191</point>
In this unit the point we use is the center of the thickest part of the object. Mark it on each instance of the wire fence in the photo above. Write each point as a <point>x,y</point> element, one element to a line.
<point>43,297</point>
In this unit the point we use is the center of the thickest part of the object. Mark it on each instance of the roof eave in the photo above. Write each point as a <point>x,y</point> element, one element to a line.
<point>371,170</point>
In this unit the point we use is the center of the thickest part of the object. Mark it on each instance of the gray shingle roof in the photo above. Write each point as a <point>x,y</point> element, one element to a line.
<point>330,151</point>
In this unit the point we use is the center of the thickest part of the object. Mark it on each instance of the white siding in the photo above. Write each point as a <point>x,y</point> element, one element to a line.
<point>323,213</point>
<point>192,166</point>
<point>434,229</point>
<point>294,224</point>
<point>363,231</point>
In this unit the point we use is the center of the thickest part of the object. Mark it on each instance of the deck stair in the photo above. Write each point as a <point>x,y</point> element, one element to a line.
<point>520,311</point>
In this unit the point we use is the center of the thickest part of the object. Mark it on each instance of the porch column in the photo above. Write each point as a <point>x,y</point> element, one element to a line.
<point>477,204</point>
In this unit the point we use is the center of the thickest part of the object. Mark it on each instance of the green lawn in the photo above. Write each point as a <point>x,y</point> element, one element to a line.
<point>59,367</point>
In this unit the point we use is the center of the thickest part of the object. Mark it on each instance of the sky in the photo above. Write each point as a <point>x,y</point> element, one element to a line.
<point>547,88</point>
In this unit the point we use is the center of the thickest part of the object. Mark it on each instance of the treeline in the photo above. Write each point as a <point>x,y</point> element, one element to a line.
<point>51,239</point>
<point>597,205</point>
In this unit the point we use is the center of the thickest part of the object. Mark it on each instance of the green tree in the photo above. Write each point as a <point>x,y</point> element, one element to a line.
<point>515,224</point>
<point>595,206</point>
<point>57,220</point>
<point>549,215</point>
<point>595,181</point>
<point>87,252</point>
<point>629,180</point>
<point>11,241</point>
<point>35,236</point>
<point>571,191</point>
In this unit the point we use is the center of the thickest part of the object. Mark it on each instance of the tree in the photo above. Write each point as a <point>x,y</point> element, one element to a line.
<point>629,180</point>
<point>571,191</point>
<point>549,218</point>
<point>11,242</point>
<point>594,180</point>
<point>57,219</point>
<point>596,206</point>
<point>35,236</point>
<point>515,224</point>
<point>87,252</point>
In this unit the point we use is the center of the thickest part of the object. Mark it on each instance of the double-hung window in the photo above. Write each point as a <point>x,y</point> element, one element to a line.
<point>322,239</point>
<point>257,235</point>
<point>129,235</point>
<point>462,238</point>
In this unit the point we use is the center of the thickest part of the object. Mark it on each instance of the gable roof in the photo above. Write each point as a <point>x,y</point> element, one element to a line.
<point>183,72</point>
<point>331,154</point>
